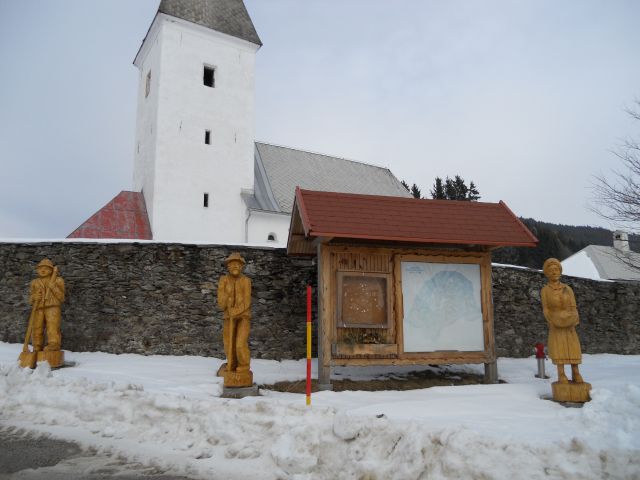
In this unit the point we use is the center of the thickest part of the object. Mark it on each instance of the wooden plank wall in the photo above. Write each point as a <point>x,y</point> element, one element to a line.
<point>366,346</point>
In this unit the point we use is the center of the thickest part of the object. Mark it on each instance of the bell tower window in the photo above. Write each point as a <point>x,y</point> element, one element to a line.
<point>208,78</point>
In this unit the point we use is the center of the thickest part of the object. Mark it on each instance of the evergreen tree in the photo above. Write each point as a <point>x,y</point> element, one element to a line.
<point>457,189</point>
<point>437,193</point>
<point>474,194</point>
<point>415,191</point>
<point>460,188</point>
<point>405,185</point>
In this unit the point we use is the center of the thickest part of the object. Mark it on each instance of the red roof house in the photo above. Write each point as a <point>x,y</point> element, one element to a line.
<point>123,217</point>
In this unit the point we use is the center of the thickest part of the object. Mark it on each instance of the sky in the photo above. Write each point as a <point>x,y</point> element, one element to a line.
<point>524,98</point>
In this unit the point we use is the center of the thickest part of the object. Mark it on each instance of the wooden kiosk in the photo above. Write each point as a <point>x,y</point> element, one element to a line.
<point>400,280</point>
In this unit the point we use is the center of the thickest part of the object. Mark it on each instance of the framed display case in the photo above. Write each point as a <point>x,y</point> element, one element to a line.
<point>364,300</point>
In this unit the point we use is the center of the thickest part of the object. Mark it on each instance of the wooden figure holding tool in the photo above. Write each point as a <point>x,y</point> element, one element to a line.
<point>234,297</point>
<point>46,295</point>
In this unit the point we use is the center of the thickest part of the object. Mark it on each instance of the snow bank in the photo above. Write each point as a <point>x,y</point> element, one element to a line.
<point>478,431</point>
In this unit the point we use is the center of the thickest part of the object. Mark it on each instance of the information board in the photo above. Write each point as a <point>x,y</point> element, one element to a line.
<point>442,307</point>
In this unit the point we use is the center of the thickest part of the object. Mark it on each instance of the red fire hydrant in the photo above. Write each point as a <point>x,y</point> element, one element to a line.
<point>540,356</point>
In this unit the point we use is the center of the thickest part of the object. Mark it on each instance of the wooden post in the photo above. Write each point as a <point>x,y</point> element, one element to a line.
<point>308,389</point>
<point>491,367</point>
<point>324,369</point>
<point>491,372</point>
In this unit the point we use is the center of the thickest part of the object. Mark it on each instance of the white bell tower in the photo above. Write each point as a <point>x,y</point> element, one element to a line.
<point>194,149</point>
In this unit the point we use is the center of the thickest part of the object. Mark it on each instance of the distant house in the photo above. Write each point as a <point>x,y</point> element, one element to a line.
<point>199,175</point>
<point>598,262</point>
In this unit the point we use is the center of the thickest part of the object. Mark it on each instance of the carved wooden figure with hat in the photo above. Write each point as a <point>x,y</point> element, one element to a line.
<point>46,294</point>
<point>560,311</point>
<point>234,298</point>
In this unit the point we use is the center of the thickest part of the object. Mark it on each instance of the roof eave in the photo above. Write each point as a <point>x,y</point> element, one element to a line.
<point>424,241</point>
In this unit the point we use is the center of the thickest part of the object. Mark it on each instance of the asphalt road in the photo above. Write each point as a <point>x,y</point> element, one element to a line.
<point>27,456</point>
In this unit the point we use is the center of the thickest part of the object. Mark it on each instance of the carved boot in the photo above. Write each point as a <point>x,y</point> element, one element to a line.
<point>575,374</point>
<point>562,378</point>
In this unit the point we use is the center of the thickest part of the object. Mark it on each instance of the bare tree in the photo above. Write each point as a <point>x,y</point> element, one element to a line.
<point>618,198</point>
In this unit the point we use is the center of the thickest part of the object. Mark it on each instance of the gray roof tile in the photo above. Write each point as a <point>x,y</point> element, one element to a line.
<point>288,168</point>
<point>225,16</point>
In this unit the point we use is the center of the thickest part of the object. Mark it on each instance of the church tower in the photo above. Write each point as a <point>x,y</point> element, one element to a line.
<point>194,148</point>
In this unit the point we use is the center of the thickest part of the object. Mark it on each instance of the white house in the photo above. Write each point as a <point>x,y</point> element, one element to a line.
<point>199,175</point>
<point>598,262</point>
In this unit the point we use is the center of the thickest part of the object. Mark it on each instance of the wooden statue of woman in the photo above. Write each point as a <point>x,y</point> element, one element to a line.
<point>560,311</point>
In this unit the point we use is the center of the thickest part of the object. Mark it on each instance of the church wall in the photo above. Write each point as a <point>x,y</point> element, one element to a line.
<point>159,298</point>
<point>261,224</point>
<point>146,118</point>
<point>185,167</point>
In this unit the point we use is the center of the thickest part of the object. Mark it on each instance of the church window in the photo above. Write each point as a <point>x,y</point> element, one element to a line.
<point>271,237</point>
<point>209,77</point>
<point>147,85</point>
<point>206,200</point>
<point>207,137</point>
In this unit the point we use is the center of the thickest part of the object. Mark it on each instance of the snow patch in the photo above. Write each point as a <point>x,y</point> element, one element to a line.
<point>153,415</point>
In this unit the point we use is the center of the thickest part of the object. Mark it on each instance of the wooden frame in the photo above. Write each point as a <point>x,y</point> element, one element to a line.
<point>386,261</point>
<point>339,310</point>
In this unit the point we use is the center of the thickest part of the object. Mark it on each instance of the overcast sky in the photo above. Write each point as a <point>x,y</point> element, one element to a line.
<point>525,98</point>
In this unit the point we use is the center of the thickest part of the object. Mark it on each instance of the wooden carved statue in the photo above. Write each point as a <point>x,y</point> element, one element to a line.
<point>234,297</point>
<point>559,309</point>
<point>46,295</point>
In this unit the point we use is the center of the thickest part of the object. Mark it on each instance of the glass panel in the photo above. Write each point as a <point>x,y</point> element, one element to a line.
<point>442,307</point>
<point>364,301</point>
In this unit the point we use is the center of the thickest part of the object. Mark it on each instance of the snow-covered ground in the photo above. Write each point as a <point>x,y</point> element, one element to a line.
<point>167,411</point>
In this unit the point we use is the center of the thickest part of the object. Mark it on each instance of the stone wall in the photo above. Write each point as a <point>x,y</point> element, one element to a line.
<point>609,313</point>
<point>155,298</point>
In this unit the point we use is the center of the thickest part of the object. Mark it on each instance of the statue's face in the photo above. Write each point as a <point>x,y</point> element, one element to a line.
<point>43,271</point>
<point>235,268</point>
<point>554,272</point>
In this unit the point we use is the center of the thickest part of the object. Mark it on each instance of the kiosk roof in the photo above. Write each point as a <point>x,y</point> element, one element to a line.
<point>331,215</point>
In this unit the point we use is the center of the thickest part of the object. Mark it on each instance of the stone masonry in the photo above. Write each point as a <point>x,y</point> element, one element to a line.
<point>157,298</point>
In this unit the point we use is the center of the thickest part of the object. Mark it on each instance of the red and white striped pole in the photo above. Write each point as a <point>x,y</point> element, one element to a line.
<point>308,344</point>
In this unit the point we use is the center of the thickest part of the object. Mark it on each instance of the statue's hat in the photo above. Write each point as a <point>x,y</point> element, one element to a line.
<point>235,256</point>
<point>46,263</point>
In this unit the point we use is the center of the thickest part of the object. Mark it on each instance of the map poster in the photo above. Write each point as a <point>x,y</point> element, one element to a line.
<point>442,307</point>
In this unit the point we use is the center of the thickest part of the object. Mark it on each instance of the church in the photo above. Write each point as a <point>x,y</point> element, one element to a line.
<point>199,175</point>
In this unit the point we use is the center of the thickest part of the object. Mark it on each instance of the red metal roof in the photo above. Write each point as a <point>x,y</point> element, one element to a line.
<point>123,217</point>
<point>375,217</point>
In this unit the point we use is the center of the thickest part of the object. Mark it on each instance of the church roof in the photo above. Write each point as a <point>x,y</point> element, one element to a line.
<point>407,220</point>
<point>123,217</point>
<point>224,16</point>
<point>279,170</point>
